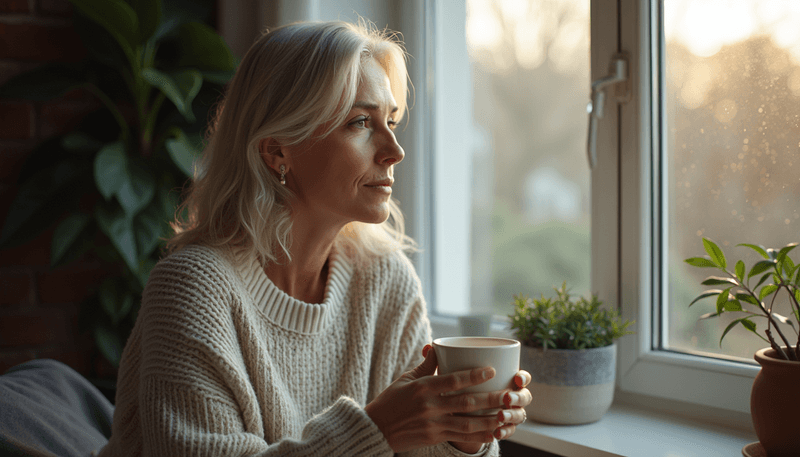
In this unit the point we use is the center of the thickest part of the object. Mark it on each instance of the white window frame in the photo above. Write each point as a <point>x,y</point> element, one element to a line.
<point>721,387</point>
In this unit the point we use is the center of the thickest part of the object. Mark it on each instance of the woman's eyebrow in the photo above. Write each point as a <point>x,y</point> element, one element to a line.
<point>371,106</point>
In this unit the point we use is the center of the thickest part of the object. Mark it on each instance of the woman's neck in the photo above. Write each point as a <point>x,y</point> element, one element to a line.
<point>306,275</point>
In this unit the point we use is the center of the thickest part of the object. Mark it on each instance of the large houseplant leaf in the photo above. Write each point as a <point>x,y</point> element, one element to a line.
<point>180,87</point>
<point>203,48</point>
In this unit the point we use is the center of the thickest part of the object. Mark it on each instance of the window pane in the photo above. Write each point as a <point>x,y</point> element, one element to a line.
<point>733,166</point>
<point>530,202</point>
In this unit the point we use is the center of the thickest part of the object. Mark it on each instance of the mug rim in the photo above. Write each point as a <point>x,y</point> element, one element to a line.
<point>446,342</point>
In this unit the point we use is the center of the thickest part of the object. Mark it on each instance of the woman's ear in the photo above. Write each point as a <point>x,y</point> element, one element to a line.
<point>272,153</point>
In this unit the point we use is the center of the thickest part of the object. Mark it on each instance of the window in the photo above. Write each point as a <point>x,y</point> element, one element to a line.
<point>525,70</point>
<point>668,169</point>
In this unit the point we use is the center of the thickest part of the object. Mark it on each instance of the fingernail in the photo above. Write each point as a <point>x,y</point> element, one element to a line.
<point>488,373</point>
<point>425,350</point>
<point>509,398</point>
<point>519,380</point>
<point>499,433</point>
<point>504,416</point>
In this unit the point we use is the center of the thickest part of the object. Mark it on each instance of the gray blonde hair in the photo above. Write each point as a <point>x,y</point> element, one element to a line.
<point>293,79</point>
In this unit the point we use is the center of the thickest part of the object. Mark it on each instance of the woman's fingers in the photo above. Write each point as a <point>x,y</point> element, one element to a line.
<point>521,398</point>
<point>460,380</point>
<point>514,416</point>
<point>522,379</point>
<point>505,431</point>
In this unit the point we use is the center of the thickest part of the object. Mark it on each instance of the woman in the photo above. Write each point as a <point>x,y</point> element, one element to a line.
<point>287,320</point>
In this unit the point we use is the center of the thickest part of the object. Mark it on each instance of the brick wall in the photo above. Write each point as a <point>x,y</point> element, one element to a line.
<point>39,305</point>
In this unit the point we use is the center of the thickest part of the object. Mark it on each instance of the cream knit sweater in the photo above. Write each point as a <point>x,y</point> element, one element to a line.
<point>223,363</point>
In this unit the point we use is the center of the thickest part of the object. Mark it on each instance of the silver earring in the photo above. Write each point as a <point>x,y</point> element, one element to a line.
<point>283,174</point>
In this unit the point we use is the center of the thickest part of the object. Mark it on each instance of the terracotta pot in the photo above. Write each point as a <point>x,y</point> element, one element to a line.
<point>570,386</point>
<point>775,404</point>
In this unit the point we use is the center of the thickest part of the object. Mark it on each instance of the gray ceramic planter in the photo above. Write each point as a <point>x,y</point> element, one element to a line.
<point>570,386</point>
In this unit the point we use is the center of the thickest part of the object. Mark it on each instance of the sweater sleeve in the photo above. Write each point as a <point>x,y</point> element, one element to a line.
<point>194,397</point>
<point>414,333</point>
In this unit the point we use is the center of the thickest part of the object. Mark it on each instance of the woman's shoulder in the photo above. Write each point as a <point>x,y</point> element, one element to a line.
<point>194,266</point>
<point>392,270</point>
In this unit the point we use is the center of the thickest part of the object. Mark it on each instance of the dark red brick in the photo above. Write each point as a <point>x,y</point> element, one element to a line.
<point>40,43</point>
<point>16,288</point>
<point>17,120</point>
<point>63,114</point>
<point>78,356</point>
<point>60,8</point>
<point>12,157</point>
<point>13,357</point>
<point>14,6</point>
<point>35,253</point>
<point>38,327</point>
<point>70,284</point>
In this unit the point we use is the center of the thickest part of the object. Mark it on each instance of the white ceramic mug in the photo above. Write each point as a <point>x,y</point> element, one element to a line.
<point>465,353</point>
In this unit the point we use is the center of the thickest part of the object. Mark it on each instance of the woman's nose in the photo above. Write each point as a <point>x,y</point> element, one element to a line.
<point>391,152</point>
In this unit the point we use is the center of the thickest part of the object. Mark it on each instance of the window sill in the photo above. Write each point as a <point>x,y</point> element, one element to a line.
<point>631,430</point>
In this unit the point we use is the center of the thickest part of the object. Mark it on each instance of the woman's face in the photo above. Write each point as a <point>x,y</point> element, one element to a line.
<point>348,175</point>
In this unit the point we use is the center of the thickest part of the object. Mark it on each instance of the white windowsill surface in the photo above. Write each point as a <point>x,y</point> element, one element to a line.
<point>632,431</point>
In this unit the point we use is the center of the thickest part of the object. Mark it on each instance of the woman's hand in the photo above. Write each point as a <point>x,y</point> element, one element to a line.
<point>412,412</point>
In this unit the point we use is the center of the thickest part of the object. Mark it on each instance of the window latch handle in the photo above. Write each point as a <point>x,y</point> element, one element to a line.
<point>618,73</point>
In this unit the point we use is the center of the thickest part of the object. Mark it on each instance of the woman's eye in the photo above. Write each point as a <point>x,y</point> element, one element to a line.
<point>360,123</point>
<point>392,123</point>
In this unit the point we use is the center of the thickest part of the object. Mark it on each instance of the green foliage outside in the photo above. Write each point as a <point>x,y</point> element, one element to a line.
<point>157,69</point>
<point>775,273</point>
<point>563,323</point>
<point>536,257</point>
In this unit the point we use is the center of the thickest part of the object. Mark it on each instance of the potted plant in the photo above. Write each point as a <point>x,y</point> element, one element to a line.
<point>110,186</point>
<point>569,348</point>
<point>774,399</point>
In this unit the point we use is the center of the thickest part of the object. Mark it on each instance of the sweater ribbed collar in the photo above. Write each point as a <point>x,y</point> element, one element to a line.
<point>287,311</point>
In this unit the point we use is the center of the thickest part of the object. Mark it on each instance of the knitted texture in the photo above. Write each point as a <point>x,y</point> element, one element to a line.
<point>223,363</point>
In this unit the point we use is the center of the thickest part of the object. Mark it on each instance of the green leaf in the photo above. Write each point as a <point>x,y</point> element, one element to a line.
<point>148,12</point>
<point>722,298</point>
<point>110,169</point>
<point>44,82</point>
<point>759,249</point>
<point>137,189</point>
<point>715,252</point>
<point>787,249</point>
<point>718,280</point>
<point>760,267</point>
<point>706,294</point>
<point>40,201</point>
<point>797,296</point>
<point>783,319</point>
<point>701,262</point>
<point>148,226</point>
<point>117,226</point>
<point>220,77</point>
<point>80,142</point>
<point>746,323</point>
<point>117,18</point>
<point>182,152</point>
<point>733,305</point>
<point>741,296</point>
<point>766,290</point>
<point>66,234</point>
<point>740,270</point>
<point>115,299</point>
<point>179,87</point>
<point>201,47</point>
<point>761,281</point>
<point>110,344</point>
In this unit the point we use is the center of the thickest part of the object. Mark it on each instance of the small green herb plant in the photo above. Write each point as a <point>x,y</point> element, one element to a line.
<point>561,323</point>
<point>776,272</point>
